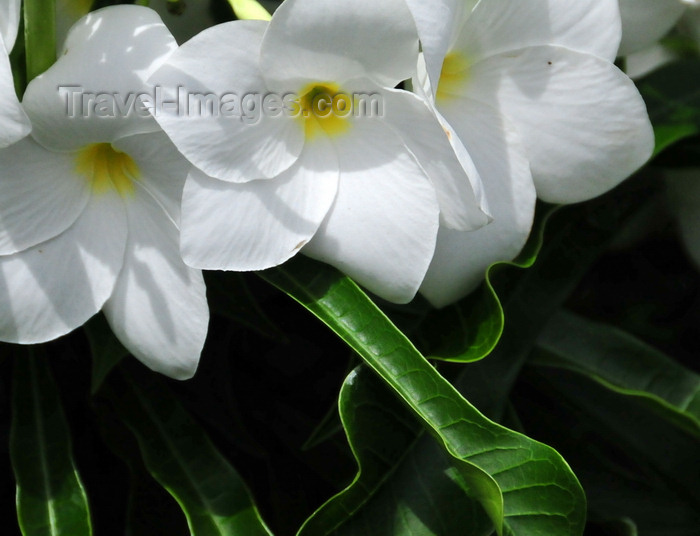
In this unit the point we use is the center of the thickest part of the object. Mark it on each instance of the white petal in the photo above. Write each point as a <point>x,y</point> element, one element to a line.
<point>443,157</point>
<point>9,21</point>
<point>497,26</point>
<point>55,287</point>
<point>228,146</point>
<point>163,169</point>
<point>461,258</point>
<point>646,21</point>
<point>14,123</point>
<point>438,22</point>
<point>40,195</point>
<point>261,223</point>
<point>382,228</point>
<point>317,40</point>
<point>582,120</point>
<point>158,309</point>
<point>109,53</point>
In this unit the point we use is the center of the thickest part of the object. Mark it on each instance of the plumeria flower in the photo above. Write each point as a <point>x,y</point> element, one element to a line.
<point>89,204</point>
<point>292,160</point>
<point>644,22</point>
<point>14,123</point>
<point>531,91</point>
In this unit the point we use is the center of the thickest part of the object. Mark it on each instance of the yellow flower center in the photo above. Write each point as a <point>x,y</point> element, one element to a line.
<point>454,76</point>
<point>323,108</point>
<point>107,169</point>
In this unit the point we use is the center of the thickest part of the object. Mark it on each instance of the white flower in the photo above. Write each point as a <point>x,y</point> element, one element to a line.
<point>14,124</point>
<point>531,91</point>
<point>644,22</point>
<point>89,204</point>
<point>362,193</point>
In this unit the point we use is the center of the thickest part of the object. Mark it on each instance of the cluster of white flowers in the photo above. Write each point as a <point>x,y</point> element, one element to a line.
<point>119,211</point>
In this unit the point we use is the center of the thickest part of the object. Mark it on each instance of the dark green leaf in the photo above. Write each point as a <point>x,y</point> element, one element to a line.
<point>524,486</point>
<point>622,363</point>
<point>181,457</point>
<point>574,238</point>
<point>51,500</point>
<point>105,348</point>
<point>632,462</point>
<point>406,484</point>
<point>672,95</point>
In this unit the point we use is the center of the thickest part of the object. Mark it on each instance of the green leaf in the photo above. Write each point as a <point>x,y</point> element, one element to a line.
<point>51,500</point>
<point>672,96</point>
<point>181,457</point>
<point>623,363</point>
<point>407,485</point>
<point>105,348</point>
<point>524,486</point>
<point>39,36</point>
<point>574,239</point>
<point>632,462</point>
<point>470,329</point>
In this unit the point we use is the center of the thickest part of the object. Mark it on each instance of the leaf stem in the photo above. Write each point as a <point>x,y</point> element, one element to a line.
<point>39,36</point>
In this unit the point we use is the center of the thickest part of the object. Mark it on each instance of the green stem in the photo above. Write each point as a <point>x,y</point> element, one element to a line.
<point>39,36</point>
<point>249,10</point>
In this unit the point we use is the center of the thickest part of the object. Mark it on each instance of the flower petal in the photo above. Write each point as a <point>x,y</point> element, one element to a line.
<point>582,120</point>
<point>9,22</point>
<point>317,40</point>
<point>14,123</point>
<point>235,145</point>
<point>163,169</point>
<point>108,54</point>
<point>497,26</point>
<point>261,223</point>
<point>158,309</point>
<point>438,22</point>
<point>461,258</point>
<point>40,195</point>
<point>644,22</point>
<point>382,228</point>
<point>443,157</point>
<point>55,287</point>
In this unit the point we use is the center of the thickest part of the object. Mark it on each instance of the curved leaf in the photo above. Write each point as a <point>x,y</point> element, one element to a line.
<point>622,363</point>
<point>406,484</point>
<point>51,500</point>
<point>180,456</point>
<point>524,486</point>
<point>470,329</point>
<point>575,237</point>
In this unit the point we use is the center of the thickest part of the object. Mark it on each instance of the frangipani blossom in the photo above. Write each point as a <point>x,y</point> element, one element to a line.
<point>89,204</point>
<point>531,91</point>
<point>362,191</point>
<point>14,124</point>
<point>644,22</point>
